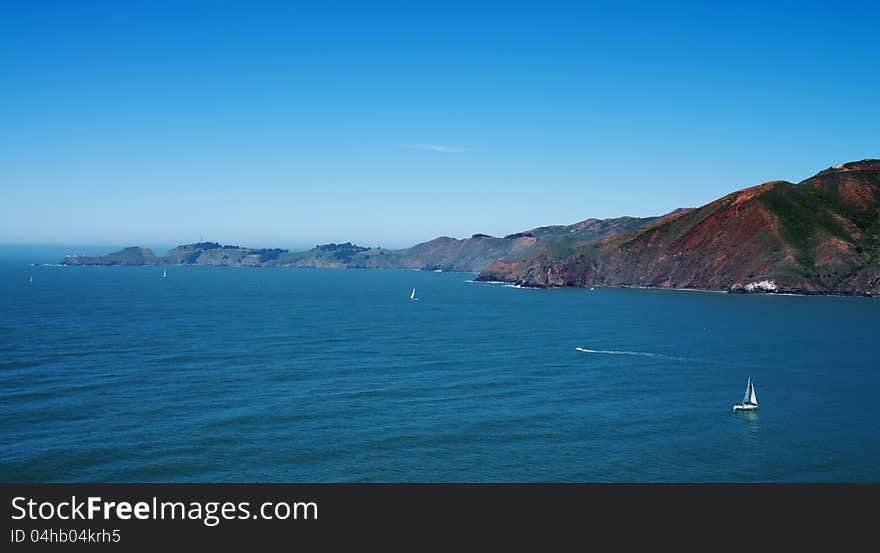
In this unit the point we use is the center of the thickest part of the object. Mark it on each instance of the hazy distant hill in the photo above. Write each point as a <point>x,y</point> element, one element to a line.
<point>126,256</point>
<point>444,253</point>
<point>819,236</point>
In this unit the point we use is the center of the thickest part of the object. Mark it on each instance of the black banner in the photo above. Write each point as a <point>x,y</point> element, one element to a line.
<point>122,516</point>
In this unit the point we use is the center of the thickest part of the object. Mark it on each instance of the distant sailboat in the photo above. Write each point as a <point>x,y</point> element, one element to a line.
<point>412,296</point>
<point>31,279</point>
<point>164,274</point>
<point>750,400</point>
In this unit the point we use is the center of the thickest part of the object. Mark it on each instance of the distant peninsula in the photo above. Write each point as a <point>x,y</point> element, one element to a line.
<point>820,236</point>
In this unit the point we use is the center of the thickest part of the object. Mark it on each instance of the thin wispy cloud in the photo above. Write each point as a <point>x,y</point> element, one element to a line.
<point>434,148</point>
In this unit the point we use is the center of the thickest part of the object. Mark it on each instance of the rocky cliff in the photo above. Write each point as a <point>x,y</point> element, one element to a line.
<point>821,235</point>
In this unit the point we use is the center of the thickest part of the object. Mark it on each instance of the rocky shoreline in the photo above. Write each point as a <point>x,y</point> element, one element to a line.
<point>732,290</point>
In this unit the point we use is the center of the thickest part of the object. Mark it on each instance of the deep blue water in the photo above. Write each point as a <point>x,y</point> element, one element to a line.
<point>222,374</point>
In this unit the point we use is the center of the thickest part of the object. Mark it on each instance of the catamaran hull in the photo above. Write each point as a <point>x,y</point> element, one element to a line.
<point>741,407</point>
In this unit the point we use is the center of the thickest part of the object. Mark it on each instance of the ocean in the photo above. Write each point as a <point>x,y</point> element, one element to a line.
<point>115,374</point>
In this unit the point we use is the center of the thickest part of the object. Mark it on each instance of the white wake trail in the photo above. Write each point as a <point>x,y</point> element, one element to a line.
<point>636,353</point>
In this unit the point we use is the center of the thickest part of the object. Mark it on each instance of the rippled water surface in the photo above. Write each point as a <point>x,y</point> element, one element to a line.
<point>221,374</point>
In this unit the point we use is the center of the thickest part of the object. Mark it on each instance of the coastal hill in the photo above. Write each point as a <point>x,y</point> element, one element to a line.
<point>444,253</point>
<point>125,256</point>
<point>820,236</point>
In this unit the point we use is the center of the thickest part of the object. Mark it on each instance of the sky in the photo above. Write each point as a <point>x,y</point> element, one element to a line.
<point>290,124</point>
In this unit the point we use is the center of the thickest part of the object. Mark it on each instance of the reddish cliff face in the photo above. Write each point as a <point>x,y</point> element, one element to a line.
<point>819,236</point>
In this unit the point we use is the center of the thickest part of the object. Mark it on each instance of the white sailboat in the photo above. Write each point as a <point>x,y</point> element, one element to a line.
<point>164,274</point>
<point>412,296</point>
<point>750,400</point>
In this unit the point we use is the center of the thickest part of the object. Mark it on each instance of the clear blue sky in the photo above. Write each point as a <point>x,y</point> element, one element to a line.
<point>292,124</point>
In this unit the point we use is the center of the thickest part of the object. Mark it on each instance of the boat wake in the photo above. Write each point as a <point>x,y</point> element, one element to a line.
<point>635,353</point>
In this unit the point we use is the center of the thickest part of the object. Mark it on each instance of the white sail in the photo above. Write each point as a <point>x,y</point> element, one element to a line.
<point>750,400</point>
<point>413,295</point>
<point>164,274</point>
